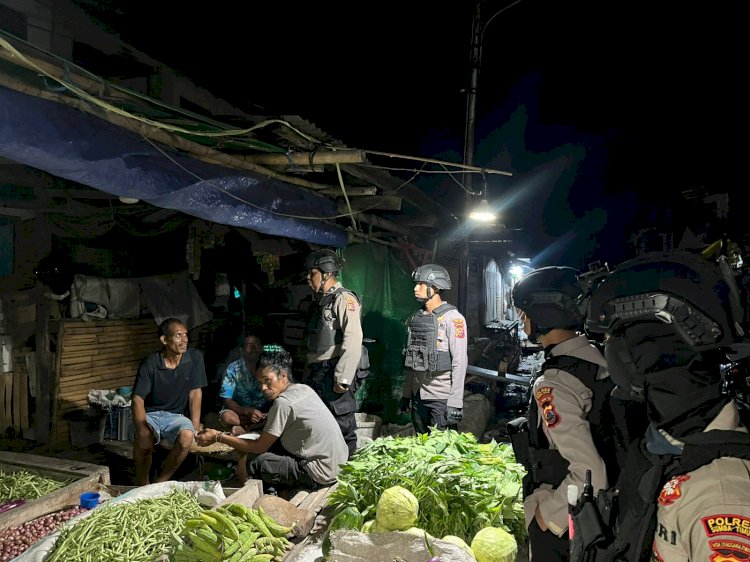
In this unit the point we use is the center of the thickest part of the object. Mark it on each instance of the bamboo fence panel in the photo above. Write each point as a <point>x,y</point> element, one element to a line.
<point>98,355</point>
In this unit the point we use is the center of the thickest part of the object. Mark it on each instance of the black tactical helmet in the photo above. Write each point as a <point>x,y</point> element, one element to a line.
<point>698,299</point>
<point>549,296</point>
<point>432,274</point>
<point>324,260</point>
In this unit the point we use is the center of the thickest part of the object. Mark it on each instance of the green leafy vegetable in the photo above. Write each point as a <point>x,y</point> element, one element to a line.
<point>461,485</point>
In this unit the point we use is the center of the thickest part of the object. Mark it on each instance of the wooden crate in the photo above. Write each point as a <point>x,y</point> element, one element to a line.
<point>85,477</point>
<point>250,491</point>
<point>246,495</point>
<point>315,501</point>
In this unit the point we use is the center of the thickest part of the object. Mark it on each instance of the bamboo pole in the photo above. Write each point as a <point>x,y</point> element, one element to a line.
<point>309,158</point>
<point>442,162</point>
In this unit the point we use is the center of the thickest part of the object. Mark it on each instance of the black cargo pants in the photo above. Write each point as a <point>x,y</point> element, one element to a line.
<point>342,406</point>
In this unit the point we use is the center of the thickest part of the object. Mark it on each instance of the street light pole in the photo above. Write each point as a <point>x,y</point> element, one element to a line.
<point>475,60</point>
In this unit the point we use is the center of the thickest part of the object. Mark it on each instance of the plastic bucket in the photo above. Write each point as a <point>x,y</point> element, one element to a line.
<point>89,500</point>
<point>86,427</point>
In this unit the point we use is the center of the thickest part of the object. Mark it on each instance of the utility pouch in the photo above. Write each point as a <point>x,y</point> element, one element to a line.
<point>362,370</point>
<point>364,360</point>
<point>518,430</point>
<point>593,524</point>
<point>416,358</point>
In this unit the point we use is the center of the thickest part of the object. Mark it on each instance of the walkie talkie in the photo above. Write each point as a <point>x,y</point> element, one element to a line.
<point>588,490</point>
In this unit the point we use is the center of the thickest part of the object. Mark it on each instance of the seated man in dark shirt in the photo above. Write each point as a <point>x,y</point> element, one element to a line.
<point>167,387</point>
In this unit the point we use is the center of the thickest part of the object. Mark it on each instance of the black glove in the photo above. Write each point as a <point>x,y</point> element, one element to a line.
<point>454,414</point>
<point>405,405</point>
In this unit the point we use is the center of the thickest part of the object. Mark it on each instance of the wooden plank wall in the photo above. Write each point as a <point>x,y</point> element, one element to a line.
<point>14,393</point>
<point>96,355</point>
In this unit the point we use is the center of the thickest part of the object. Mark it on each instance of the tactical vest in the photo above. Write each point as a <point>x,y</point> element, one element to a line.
<point>321,333</point>
<point>633,502</point>
<point>421,353</point>
<point>548,466</point>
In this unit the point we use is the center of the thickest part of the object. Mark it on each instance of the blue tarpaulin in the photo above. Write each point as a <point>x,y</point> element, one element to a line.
<point>83,148</point>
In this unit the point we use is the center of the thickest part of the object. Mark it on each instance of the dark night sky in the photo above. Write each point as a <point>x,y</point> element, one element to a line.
<point>605,111</point>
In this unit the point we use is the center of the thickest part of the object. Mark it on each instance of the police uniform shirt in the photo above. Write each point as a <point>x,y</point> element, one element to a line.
<point>451,337</point>
<point>563,403</point>
<point>344,316</point>
<point>705,514</point>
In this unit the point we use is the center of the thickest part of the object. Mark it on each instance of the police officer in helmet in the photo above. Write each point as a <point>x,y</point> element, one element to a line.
<point>334,341</point>
<point>435,357</point>
<point>563,434</point>
<point>684,493</point>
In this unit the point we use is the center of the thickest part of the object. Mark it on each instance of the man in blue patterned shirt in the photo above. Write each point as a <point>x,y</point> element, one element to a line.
<point>245,406</point>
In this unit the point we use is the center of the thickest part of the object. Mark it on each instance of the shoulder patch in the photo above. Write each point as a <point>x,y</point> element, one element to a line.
<point>671,492</point>
<point>542,394</point>
<point>351,303</point>
<point>544,398</point>
<point>458,327</point>
<point>550,415</point>
<point>726,524</point>
<point>729,550</point>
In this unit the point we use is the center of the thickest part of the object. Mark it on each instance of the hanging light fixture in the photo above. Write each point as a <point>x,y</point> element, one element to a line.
<point>483,212</point>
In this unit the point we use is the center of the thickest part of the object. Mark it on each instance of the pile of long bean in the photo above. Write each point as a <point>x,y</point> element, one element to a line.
<point>128,531</point>
<point>27,485</point>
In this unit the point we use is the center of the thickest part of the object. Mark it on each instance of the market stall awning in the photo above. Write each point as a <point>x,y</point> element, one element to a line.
<point>80,147</point>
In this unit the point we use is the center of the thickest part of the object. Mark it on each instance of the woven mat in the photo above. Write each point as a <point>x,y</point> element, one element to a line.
<point>212,449</point>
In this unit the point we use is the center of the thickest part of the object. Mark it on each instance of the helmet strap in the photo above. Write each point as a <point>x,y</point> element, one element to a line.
<point>534,331</point>
<point>432,293</point>
<point>324,277</point>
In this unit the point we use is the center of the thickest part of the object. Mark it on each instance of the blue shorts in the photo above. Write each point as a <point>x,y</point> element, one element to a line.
<point>167,425</point>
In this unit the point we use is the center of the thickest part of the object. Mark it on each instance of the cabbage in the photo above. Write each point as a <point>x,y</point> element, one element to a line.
<point>397,509</point>
<point>421,533</point>
<point>493,544</point>
<point>369,526</point>
<point>458,541</point>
